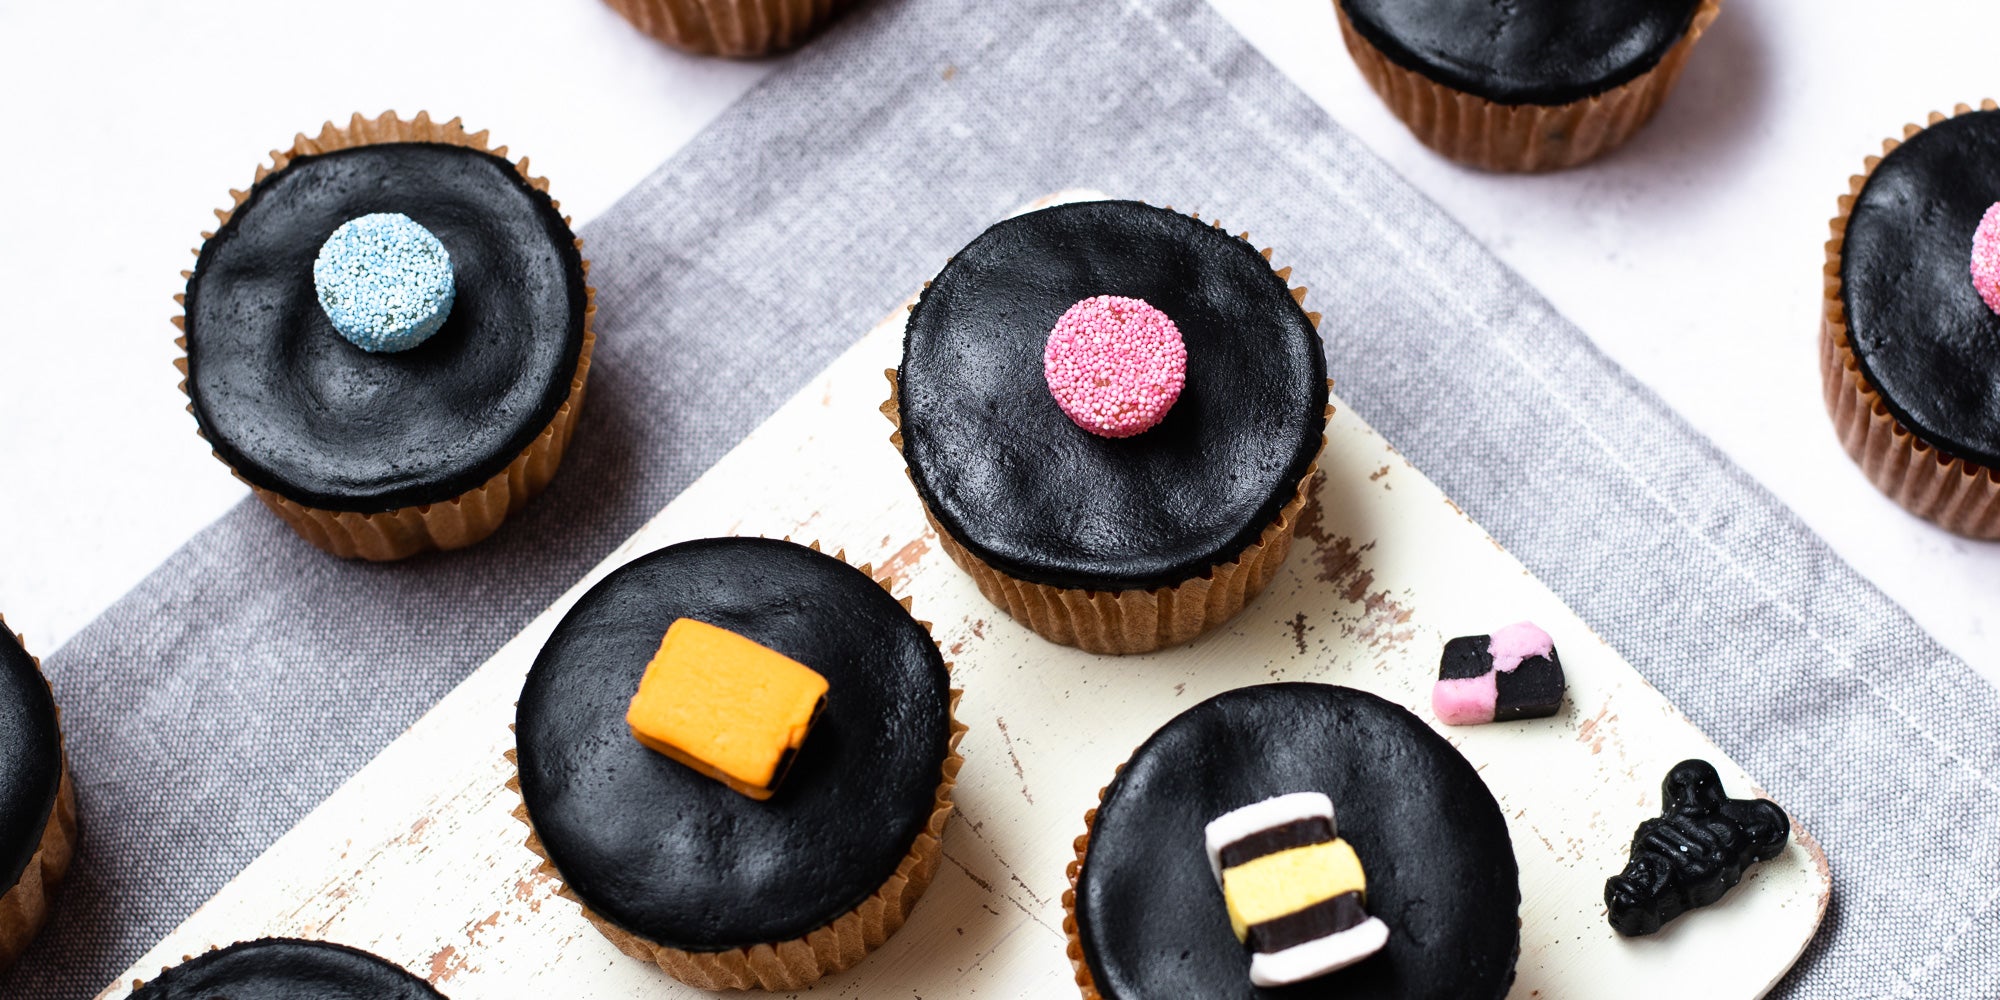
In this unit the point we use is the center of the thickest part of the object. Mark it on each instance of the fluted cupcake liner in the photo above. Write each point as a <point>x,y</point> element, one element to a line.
<point>736,28</point>
<point>470,516</point>
<point>1521,137</point>
<point>797,963</point>
<point>24,907</point>
<point>1084,980</point>
<point>1140,620</point>
<point>1959,495</point>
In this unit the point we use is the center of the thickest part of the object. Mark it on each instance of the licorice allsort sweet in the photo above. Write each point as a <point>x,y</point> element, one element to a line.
<point>1698,848</point>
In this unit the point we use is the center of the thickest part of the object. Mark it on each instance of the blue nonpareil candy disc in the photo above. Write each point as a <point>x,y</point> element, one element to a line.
<point>385,281</point>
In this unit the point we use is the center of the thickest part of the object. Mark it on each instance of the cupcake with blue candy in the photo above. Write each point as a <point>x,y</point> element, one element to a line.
<point>389,335</point>
<point>385,281</point>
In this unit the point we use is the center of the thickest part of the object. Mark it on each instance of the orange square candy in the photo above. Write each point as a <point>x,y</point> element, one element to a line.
<point>726,706</point>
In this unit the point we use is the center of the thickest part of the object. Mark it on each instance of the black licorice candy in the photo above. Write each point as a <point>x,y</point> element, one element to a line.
<point>1698,848</point>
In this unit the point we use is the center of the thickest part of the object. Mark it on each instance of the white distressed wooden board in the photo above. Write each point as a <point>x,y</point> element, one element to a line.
<point>417,857</point>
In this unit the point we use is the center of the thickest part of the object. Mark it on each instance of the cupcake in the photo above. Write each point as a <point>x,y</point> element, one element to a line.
<point>1295,833</point>
<point>37,803</point>
<point>737,755</point>
<point>286,969</point>
<point>739,28</point>
<point>1111,413</point>
<point>1910,327</point>
<point>388,336</point>
<point>1527,85</point>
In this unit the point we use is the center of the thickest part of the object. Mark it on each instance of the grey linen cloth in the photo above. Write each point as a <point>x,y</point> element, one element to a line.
<point>237,686</point>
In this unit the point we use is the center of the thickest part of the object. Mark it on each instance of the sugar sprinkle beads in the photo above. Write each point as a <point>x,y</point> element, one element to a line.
<point>385,281</point>
<point>1115,365</point>
<point>1295,891</point>
<point>1986,258</point>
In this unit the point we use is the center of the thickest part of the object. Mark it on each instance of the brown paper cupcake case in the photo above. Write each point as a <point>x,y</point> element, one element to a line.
<point>25,906</point>
<point>477,513</point>
<point>737,28</point>
<point>1133,621</point>
<point>800,962</point>
<point>1958,495</point>
<point>1084,981</point>
<point>1521,137</point>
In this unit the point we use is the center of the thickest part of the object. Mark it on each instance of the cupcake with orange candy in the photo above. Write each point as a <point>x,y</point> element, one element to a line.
<point>738,755</point>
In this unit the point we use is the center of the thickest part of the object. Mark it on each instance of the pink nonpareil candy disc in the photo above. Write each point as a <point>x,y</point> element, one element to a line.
<point>1986,258</point>
<point>1115,365</point>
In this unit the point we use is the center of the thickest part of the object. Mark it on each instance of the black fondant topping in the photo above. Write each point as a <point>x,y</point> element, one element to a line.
<point>1443,876</point>
<point>1041,499</point>
<point>1547,52</point>
<point>296,409</point>
<point>286,969</point>
<point>1924,338</point>
<point>678,858</point>
<point>1328,916</point>
<point>30,758</point>
<point>1698,848</point>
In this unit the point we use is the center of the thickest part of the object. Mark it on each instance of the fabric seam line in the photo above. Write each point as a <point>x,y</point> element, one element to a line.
<point>1950,944</point>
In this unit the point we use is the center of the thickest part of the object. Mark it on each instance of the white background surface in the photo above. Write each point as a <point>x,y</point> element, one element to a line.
<point>1692,255</point>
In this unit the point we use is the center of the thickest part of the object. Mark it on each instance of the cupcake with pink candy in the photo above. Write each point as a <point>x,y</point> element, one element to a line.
<point>1112,414</point>
<point>1909,344</point>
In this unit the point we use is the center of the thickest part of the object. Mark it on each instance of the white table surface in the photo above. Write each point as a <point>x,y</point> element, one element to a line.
<point>1692,256</point>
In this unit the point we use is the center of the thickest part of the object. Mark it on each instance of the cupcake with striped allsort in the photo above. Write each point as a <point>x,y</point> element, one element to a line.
<point>1298,837</point>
